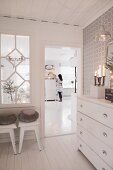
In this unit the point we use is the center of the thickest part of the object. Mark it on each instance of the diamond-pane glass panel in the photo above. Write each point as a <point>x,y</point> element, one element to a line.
<point>23,94</point>
<point>14,61</point>
<point>22,44</point>
<point>6,69</point>
<point>23,69</point>
<point>17,80</point>
<point>6,98</point>
<point>7,44</point>
<point>7,93</point>
<point>15,57</point>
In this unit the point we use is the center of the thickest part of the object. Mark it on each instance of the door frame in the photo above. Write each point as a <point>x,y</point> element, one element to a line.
<point>79,79</point>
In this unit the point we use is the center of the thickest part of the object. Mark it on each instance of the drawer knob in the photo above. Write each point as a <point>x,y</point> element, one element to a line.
<point>105,115</point>
<point>104,152</point>
<point>81,132</point>
<point>81,105</point>
<point>81,119</point>
<point>105,134</point>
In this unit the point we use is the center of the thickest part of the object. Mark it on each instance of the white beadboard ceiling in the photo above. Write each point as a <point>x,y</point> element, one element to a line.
<point>72,12</point>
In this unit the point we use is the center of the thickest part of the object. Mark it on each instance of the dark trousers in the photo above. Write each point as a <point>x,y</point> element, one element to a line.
<point>60,95</point>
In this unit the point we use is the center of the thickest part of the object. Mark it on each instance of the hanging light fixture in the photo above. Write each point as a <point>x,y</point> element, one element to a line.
<point>103,35</point>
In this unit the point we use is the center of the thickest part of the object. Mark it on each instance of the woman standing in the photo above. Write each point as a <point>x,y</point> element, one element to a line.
<point>60,87</point>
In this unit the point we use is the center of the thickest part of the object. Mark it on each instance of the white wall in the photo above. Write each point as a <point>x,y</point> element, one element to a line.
<point>41,35</point>
<point>57,64</point>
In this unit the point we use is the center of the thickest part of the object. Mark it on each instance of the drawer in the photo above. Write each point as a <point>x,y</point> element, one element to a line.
<point>102,132</point>
<point>96,145</point>
<point>98,163</point>
<point>96,111</point>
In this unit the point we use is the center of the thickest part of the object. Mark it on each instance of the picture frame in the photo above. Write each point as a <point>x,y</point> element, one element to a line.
<point>109,56</point>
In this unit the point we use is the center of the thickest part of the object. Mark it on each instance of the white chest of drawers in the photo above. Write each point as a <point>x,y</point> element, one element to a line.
<point>95,131</point>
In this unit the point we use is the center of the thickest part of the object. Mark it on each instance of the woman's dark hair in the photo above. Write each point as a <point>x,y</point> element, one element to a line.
<point>60,77</point>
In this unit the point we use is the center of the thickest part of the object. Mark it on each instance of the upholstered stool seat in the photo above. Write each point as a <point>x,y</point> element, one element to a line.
<point>28,126</point>
<point>28,115</point>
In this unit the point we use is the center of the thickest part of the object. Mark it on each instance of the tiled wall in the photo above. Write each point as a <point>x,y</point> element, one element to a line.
<point>95,52</point>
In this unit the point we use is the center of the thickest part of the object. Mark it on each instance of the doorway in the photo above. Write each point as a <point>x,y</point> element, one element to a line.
<point>60,117</point>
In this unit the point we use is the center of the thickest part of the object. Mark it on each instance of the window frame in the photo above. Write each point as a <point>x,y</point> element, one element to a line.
<point>2,105</point>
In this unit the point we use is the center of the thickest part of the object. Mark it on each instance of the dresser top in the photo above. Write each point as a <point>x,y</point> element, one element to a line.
<point>103,102</point>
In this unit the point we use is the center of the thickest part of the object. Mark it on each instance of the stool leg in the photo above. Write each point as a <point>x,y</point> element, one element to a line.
<point>13,140</point>
<point>37,137</point>
<point>21,139</point>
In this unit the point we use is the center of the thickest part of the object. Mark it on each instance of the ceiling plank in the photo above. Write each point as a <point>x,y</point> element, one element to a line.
<point>73,12</point>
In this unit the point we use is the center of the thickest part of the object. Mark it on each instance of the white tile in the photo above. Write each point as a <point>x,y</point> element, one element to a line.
<point>58,118</point>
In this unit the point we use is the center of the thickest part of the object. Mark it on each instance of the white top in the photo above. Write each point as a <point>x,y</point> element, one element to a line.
<point>59,85</point>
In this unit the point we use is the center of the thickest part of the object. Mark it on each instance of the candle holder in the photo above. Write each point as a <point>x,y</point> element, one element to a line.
<point>103,82</point>
<point>99,77</point>
<point>99,81</point>
<point>95,80</point>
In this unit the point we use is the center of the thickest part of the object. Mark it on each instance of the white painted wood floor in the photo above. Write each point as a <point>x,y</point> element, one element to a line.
<point>60,153</point>
<point>59,119</point>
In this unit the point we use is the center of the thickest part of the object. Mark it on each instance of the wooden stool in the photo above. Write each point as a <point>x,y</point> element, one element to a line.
<point>9,129</point>
<point>26,127</point>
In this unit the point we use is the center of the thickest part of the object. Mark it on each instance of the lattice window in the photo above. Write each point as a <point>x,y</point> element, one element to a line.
<point>15,69</point>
